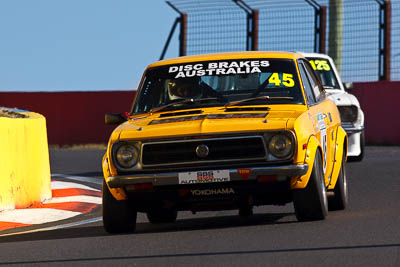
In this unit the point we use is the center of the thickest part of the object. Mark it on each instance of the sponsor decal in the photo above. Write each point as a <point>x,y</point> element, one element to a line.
<point>204,177</point>
<point>323,138</point>
<point>244,173</point>
<point>218,68</point>
<point>213,192</point>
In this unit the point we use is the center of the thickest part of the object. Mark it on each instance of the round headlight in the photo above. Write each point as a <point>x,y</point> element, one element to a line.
<point>280,146</point>
<point>127,156</point>
<point>348,113</point>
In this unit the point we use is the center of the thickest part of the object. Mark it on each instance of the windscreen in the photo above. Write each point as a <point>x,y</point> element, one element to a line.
<point>219,83</point>
<point>325,73</point>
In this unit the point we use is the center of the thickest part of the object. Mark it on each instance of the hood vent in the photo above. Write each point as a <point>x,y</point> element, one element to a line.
<point>180,119</point>
<point>237,115</point>
<point>247,109</point>
<point>211,117</point>
<point>182,113</point>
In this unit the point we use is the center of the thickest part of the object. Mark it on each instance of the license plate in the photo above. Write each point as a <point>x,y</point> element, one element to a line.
<point>204,177</point>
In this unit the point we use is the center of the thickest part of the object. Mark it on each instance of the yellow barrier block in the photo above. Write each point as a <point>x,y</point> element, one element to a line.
<point>24,161</point>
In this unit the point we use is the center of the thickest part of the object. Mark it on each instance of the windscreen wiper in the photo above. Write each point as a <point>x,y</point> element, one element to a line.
<point>264,97</point>
<point>191,100</point>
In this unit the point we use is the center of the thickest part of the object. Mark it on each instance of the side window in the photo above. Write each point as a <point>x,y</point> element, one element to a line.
<point>307,86</point>
<point>315,83</point>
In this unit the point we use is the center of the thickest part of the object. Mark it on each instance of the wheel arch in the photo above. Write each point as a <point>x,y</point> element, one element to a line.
<point>340,155</point>
<point>117,193</point>
<point>313,145</point>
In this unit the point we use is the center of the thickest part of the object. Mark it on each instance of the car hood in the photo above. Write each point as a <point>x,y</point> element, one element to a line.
<point>207,121</point>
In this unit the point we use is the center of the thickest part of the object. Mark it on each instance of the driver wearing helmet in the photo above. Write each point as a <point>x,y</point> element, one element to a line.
<point>184,88</point>
<point>247,81</point>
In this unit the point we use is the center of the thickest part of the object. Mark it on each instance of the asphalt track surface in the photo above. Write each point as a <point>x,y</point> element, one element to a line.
<point>365,234</point>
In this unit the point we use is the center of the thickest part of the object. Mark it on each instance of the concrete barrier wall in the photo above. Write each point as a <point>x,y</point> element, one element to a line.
<point>24,161</point>
<point>380,103</point>
<point>78,117</point>
<point>72,117</point>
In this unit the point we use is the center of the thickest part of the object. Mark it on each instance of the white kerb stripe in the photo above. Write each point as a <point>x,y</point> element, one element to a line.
<point>86,199</point>
<point>63,185</point>
<point>36,216</point>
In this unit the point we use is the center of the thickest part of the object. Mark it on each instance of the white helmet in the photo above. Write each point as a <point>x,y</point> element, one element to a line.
<point>184,88</point>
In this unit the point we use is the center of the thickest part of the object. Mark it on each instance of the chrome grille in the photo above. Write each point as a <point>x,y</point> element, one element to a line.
<point>224,149</point>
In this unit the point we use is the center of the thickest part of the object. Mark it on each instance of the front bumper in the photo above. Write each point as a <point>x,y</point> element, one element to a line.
<point>235,174</point>
<point>350,129</point>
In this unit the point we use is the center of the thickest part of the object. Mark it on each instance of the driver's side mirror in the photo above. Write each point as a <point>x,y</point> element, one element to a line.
<point>114,118</point>
<point>348,86</point>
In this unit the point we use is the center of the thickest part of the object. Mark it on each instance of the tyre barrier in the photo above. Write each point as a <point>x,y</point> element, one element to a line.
<point>24,159</point>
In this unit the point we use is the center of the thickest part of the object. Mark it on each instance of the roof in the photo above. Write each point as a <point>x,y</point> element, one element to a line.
<point>228,55</point>
<point>314,55</point>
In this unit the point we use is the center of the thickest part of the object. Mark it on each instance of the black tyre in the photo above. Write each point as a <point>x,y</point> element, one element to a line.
<point>162,216</point>
<point>118,215</point>
<point>245,211</point>
<point>311,203</point>
<point>339,199</point>
<point>362,148</point>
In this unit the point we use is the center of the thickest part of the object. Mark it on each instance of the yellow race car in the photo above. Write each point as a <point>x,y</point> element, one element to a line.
<point>225,131</point>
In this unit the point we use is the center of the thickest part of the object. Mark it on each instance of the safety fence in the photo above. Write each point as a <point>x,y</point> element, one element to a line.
<point>395,41</point>
<point>361,35</point>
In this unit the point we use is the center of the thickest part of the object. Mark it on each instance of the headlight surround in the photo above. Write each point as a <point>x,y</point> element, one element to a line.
<point>126,155</point>
<point>348,114</point>
<point>281,145</point>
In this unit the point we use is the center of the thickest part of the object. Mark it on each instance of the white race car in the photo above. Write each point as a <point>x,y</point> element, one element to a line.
<point>350,111</point>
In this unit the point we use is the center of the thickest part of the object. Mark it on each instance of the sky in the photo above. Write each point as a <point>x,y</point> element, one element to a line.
<point>81,45</point>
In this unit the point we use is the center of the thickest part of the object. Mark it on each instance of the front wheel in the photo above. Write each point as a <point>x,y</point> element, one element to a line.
<point>339,199</point>
<point>118,215</point>
<point>311,203</point>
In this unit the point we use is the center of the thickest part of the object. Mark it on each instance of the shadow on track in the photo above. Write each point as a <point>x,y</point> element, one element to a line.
<point>205,223</point>
<point>180,225</point>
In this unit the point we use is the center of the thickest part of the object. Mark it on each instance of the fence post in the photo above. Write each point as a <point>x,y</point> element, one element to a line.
<point>183,35</point>
<point>169,39</point>
<point>252,25</point>
<point>319,26</point>
<point>182,20</point>
<point>254,30</point>
<point>336,32</point>
<point>385,18</point>
<point>322,30</point>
